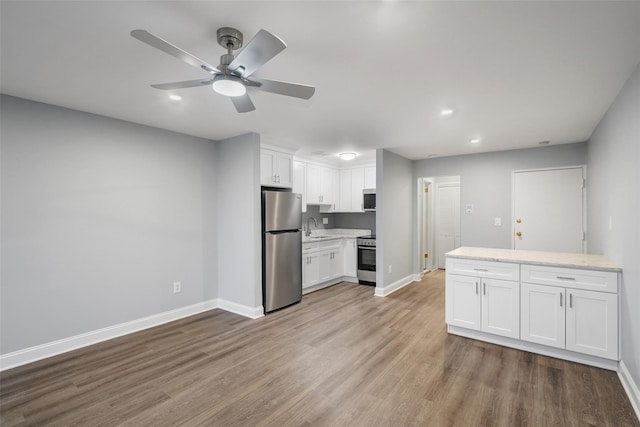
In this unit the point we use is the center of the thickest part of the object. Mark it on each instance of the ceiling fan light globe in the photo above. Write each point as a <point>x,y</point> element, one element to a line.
<point>228,86</point>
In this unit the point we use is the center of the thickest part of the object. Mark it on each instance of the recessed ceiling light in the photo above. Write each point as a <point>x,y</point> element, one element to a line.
<point>175,97</point>
<point>446,112</point>
<point>347,156</point>
<point>474,140</point>
<point>430,156</point>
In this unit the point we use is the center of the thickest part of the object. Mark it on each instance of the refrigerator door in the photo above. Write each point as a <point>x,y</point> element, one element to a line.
<point>281,210</point>
<point>283,270</point>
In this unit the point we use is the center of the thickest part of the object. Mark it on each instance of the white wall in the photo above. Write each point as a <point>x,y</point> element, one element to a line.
<point>485,182</point>
<point>99,217</point>
<point>614,191</point>
<point>394,227</point>
<point>239,226</point>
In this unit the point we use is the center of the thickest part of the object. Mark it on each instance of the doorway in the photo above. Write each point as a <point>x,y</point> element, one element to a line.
<point>438,225</point>
<point>549,209</point>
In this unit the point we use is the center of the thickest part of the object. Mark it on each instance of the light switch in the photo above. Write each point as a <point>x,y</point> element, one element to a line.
<point>468,209</point>
<point>325,220</point>
<point>497,221</point>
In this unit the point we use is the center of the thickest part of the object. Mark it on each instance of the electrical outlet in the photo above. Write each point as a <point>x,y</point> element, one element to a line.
<point>389,268</point>
<point>177,287</point>
<point>497,221</point>
<point>325,221</point>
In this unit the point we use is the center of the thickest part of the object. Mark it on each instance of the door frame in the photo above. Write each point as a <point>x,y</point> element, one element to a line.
<point>584,200</point>
<point>422,199</point>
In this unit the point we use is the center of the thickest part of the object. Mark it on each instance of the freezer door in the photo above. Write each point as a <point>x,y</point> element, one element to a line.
<point>283,270</point>
<point>281,210</point>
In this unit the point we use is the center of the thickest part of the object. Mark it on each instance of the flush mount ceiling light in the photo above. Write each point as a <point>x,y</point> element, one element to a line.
<point>474,140</point>
<point>175,97</point>
<point>347,156</point>
<point>446,112</point>
<point>228,85</point>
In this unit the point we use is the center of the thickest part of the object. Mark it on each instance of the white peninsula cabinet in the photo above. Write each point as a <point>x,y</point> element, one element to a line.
<point>560,305</point>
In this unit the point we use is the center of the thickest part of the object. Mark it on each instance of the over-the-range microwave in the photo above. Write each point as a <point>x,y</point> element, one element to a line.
<point>369,199</point>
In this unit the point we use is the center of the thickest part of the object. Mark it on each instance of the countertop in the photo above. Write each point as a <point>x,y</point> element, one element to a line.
<point>554,259</point>
<point>334,233</point>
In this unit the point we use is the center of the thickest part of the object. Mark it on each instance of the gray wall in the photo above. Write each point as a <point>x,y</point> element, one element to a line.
<point>613,190</point>
<point>99,217</point>
<point>394,218</point>
<point>364,220</point>
<point>313,211</point>
<point>239,226</point>
<point>485,182</point>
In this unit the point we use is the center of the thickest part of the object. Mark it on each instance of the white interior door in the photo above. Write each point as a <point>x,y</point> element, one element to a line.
<point>548,210</point>
<point>447,220</point>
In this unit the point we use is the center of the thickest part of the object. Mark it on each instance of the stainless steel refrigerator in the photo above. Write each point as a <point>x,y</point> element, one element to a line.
<point>281,249</point>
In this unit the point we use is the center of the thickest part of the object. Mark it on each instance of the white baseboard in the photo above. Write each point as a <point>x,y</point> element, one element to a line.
<point>386,290</point>
<point>242,310</point>
<point>630,387</point>
<point>39,352</point>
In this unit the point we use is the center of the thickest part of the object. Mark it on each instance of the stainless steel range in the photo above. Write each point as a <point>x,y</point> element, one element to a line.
<point>367,260</point>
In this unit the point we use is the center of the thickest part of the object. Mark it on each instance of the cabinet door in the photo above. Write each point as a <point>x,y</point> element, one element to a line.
<point>313,184</point>
<point>462,307</point>
<point>350,258</point>
<point>501,307</point>
<point>345,194</point>
<point>542,314</point>
<point>299,180</point>
<point>357,185</point>
<point>337,263</point>
<point>325,265</point>
<point>267,164</point>
<point>310,269</point>
<point>370,177</point>
<point>327,182</point>
<point>592,323</point>
<point>284,169</point>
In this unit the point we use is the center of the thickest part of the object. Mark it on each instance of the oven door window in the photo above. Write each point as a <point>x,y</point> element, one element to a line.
<point>366,258</point>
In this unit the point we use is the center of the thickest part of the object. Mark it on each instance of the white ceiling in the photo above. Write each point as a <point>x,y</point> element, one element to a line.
<point>516,73</point>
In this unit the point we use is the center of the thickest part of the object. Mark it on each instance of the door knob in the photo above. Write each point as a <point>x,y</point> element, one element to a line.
<point>518,220</point>
<point>519,234</point>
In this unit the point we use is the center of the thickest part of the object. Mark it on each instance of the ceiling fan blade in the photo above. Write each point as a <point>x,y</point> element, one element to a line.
<point>243,103</point>
<point>183,85</point>
<point>257,52</point>
<point>288,89</point>
<point>165,46</point>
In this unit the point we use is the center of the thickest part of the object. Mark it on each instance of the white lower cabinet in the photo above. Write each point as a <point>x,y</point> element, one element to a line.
<point>487,305</point>
<point>350,258</point>
<point>322,262</point>
<point>568,309</point>
<point>572,319</point>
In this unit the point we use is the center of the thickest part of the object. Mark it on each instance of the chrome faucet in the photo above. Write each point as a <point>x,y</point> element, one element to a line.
<point>308,232</point>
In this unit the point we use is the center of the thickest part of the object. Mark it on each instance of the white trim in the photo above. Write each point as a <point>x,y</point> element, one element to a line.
<point>386,290</point>
<point>42,351</point>
<point>243,310</point>
<point>630,387</point>
<point>558,353</point>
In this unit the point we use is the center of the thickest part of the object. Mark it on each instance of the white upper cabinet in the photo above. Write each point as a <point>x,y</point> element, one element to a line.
<point>321,185</point>
<point>299,181</point>
<point>276,168</point>
<point>370,177</point>
<point>352,182</point>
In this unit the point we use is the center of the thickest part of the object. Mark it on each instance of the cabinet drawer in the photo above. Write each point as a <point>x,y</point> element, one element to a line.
<point>489,269</point>
<point>594,280</point>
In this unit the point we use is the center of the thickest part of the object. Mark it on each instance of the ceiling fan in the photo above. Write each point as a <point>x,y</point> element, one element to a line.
<point>235,73</point>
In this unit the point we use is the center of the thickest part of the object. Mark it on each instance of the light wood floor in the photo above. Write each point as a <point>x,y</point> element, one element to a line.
<point>342,357</point>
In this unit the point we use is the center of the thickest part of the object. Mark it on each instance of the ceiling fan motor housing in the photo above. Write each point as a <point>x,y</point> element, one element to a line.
<point>229,38</point>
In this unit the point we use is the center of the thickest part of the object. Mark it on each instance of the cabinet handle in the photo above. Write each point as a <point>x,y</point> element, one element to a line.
<point>570,300</point>
<point>484,288</point>
<point>274,178</point>
<point>565,278</point>
<point>278,179</point>
<point>481,269</point>
<point>561,299</point>
<point>476,288</point>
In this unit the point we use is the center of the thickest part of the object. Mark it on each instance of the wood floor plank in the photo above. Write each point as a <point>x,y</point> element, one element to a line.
<point>341,357</point>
